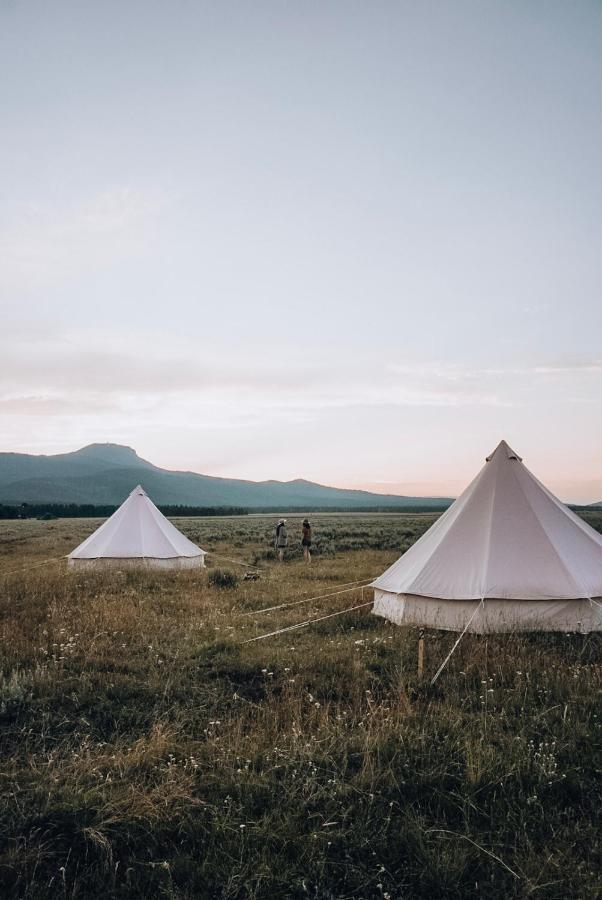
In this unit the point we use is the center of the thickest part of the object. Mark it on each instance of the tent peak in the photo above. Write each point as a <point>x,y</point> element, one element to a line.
<point>504,449</point>
<point>138,490</point>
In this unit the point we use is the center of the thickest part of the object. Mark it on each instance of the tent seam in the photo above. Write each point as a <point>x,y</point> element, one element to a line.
<point>551,543</point>
<point>485,582</point>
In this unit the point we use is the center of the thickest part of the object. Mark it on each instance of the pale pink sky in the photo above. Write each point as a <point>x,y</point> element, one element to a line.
<point>353,242</point>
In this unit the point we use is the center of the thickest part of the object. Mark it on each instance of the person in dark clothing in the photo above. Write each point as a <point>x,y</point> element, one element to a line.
<point>306,540</point>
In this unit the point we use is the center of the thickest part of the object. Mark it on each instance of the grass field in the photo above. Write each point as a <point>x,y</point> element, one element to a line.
<point>146,751</point>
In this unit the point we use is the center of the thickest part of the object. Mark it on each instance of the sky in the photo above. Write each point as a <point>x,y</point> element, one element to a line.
<point>354,242</point>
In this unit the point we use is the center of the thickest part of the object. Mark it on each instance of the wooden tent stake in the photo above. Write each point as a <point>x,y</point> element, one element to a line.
<point>420,652</point>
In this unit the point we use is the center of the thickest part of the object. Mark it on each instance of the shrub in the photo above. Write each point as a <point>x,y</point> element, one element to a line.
<point>223,578</point>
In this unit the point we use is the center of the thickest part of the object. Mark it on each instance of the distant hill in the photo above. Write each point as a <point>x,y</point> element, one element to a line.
<point>106,473</point>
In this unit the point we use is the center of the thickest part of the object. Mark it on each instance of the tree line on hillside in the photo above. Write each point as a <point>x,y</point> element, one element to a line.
<point>402,508</point>
<point>91,510</point>
<point>100,511</point>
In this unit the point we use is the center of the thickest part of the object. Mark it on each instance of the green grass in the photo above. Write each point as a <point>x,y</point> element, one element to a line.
<point>147,752</point>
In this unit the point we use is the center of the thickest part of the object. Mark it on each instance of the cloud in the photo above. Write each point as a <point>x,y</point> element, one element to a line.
<point>511,385</point>
<point>260,413</point>
<point>74,372</point>
<point>49,405</point>
<point>50,375</point>
<point>41,248</point>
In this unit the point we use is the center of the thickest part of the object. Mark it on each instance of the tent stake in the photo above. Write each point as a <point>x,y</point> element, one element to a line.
<point>420,652</point>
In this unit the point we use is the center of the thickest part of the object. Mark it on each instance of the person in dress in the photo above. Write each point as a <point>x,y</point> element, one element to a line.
<point>306,540</point>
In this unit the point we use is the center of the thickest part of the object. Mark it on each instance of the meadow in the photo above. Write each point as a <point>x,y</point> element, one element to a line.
<point>147,751</point>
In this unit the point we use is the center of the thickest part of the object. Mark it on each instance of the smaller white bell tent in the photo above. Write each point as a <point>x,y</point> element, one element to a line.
<point>137,534</point>
<point>506,556</point>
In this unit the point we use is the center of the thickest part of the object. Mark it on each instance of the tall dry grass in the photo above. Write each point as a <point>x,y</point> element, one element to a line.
<point>146,751</point>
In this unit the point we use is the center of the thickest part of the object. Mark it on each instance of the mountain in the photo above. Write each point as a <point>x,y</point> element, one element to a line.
<point>106,473</point>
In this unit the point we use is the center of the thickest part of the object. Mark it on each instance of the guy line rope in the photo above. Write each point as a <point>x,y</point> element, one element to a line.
<point>340,612</point>
<point>256,612</point>
<point>480,604</point>
<point>33,565</point>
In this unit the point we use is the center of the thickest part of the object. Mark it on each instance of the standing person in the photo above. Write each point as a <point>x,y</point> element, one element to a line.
<point>281,539</point>
<point>306,541</point>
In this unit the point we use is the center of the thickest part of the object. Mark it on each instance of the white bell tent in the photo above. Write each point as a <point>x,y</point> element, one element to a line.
<point>137,534</point>
<point>506,556</point>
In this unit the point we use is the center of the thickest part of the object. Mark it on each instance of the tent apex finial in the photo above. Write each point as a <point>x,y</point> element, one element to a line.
<point>506,450</point>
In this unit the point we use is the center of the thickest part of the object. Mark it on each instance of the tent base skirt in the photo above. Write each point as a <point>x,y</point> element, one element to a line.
<point>495,616</point>
<point>142,562</point>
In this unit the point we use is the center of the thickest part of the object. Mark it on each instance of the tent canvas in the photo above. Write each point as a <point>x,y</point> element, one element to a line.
<point>137,534</point>
<point>506,544</point>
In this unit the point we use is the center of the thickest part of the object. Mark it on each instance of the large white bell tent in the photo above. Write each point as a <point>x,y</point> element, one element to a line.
<point>507,555</point>
<point>137,534</point>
